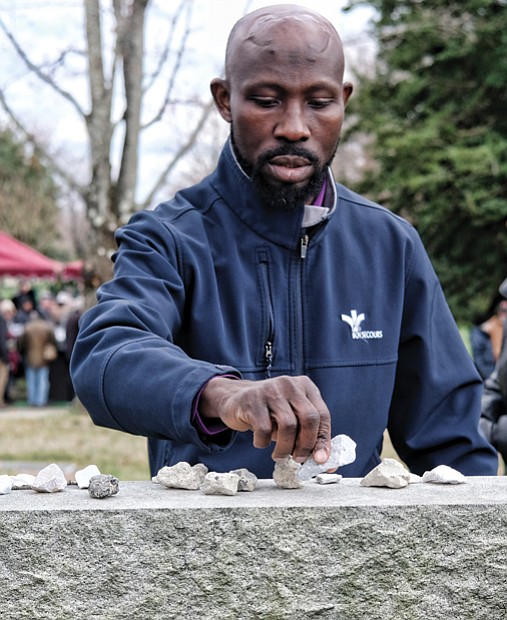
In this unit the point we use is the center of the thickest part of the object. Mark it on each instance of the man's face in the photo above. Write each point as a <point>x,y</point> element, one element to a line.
<point>286,102</point>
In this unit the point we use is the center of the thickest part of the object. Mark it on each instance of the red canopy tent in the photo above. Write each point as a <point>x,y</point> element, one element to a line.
<point>19,259</point>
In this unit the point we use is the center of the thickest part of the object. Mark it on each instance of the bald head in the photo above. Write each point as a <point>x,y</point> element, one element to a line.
<point>307,35</point>
<point>285,99</point>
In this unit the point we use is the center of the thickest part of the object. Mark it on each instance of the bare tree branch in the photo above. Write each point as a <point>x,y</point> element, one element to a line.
<point>150,79</point>
<point>177,65</point>
<point>182,151</point>
<point>29,137</point>
<point>42,76</point>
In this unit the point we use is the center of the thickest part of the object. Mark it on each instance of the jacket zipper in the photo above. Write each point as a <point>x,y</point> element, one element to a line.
<point>303,249</point>
<point>303,246</point>
<point>269,342</point>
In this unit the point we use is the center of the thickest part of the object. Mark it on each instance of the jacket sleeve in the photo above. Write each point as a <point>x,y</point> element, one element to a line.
<point>126,366</point>
<point>435,409</point>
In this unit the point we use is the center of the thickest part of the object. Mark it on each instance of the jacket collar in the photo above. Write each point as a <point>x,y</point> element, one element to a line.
<point>236,189</point>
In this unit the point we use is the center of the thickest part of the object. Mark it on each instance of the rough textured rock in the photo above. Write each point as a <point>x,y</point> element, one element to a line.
<point>327,478</point>
<point>51,479</point>
<point>389,473</point>
<point>22,482</point>
<point>247,480</point>
<point>182,476</point>
<point>83,476</point>
<point>285,474</point>
<point>343,452</point>
<point>103,486</point>
<point>220,484</point>
<point>443,474</point>
<point>5,484</point>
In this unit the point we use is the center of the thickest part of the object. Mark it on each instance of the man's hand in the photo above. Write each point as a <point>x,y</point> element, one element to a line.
<point>287,410</point>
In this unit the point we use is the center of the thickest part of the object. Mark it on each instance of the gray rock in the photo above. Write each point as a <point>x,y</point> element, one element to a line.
<point>51,479</point>
<point>83,476</point>
<point>443,474</point>
<point>22,482</point>
<point>389,473</point>
<point>103,486</point>
<point>5,484</point>
<point>220,484</point>
<point>415,479</point>
<point>343,452</point>
<point>182,476</point>
<point>286,472</point>
<point>247,480</point>
<point>328,478</point>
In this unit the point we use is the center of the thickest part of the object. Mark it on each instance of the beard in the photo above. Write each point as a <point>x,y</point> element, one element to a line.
<point>284,196</point>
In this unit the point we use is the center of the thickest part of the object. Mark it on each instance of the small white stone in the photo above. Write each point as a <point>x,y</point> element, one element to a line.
<point>415,479</point>
<point>51,479</point>
<point>182,476</point>
<point>21,482</point>
<point>286,473</point>
<point>247,480</point>
<point>389,473</point>
<point>220,484</point>
<point>328,478</point>
<point>5,484</point>
<point>83,476</point>
<point>443,474</point>
<point>343,452</point>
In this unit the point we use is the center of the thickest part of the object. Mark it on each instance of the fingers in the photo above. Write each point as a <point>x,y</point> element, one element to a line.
<point>287,410</point>
<point>299,420</point>
<point>314,438</point>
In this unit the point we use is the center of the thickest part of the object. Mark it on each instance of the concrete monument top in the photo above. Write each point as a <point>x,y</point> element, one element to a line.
<point>348,492</point>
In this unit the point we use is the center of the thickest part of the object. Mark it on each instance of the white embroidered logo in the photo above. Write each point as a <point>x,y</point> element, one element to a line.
<point>354,321</point>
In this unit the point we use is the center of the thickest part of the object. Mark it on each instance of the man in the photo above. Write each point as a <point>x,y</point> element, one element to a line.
<point>494,399</point>
<point>267,309</point>
<point>4,357</point>
<point>37,339</point>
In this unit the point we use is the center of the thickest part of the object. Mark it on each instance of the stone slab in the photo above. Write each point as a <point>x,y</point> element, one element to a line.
<point>333,552</point>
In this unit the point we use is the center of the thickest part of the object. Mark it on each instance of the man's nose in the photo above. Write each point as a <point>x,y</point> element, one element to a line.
<point>292,124</point>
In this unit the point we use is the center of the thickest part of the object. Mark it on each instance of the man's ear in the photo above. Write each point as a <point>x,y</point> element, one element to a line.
<point>347,91</point>
<point>221,96</point>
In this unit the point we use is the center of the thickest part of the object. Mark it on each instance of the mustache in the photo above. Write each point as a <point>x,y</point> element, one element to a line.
<point>286,149</point>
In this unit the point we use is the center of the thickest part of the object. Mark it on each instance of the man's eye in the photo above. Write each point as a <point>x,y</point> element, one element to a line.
<point>265,102</point>
<point>320,103</point>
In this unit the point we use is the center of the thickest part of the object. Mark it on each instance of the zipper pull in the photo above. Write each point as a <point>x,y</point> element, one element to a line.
<point>304,246</point>
<point>268,356</point>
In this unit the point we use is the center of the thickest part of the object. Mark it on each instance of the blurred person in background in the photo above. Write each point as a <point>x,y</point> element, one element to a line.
<point>24,290</point>
<point>486,337</point>
<point>37,345</point>
<point>494,399</point>
<point>4,360</point>
<point>7,313</point>
<point>26,310</point>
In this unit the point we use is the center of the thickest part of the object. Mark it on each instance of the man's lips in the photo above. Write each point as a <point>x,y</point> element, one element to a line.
<point>290,168</point>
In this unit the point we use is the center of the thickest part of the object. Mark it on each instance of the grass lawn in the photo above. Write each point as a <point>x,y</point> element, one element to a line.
<point>66,435</point>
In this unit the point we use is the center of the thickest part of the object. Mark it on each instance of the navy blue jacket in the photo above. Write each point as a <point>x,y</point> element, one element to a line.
<point>212,282</point>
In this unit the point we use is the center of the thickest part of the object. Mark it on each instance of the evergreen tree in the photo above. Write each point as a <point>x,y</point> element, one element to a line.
<point>28,207</point>
<point>435,112</point>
